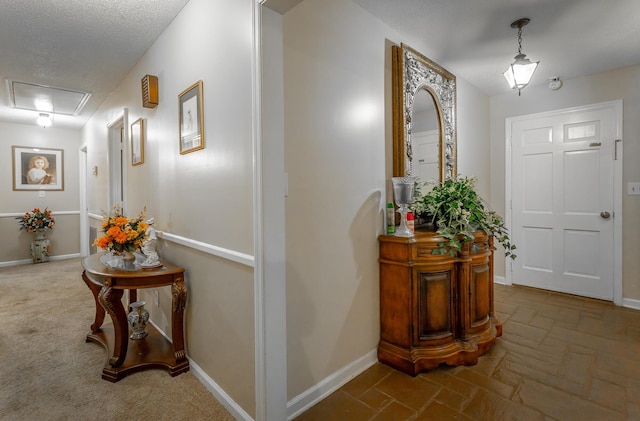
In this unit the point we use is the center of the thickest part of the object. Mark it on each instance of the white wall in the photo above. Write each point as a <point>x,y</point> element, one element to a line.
<point>617,84</point>
<point>338,137</point>
<point>204,197</point>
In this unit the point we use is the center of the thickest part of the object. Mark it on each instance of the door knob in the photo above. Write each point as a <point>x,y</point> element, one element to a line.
<point>605,215</point>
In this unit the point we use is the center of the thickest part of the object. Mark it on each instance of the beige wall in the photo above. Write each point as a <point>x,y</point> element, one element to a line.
<point>205,197</point>
<point>337,75</point>
<point>65,237</point>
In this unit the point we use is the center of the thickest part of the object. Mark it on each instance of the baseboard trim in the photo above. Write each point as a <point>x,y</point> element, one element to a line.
<point>500,280</point>
<point>631,303</point>
<point>232,406</point>
<point>30,261</point>
<point>330,384</point>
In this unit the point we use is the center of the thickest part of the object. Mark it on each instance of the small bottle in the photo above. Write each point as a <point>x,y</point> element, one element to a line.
<point>411,222</point>
<point>391,219</point>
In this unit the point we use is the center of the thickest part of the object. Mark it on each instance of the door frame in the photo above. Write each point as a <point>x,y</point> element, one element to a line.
<point>617,185</point>
<point>118,128</point>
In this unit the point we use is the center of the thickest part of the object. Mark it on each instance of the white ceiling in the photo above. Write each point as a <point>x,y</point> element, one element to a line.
<point>90,45</point>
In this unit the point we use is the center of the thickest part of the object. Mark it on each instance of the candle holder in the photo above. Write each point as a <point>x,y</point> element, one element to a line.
<point>403,188</point>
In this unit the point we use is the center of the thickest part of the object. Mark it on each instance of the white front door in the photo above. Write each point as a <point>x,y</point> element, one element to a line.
<point>562,199</point>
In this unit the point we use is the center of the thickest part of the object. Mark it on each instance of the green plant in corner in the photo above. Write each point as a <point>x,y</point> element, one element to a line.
<point>456,210</point>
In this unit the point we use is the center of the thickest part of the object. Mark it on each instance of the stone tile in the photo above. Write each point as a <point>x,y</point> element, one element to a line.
<point>524,315</point>
<point>542,322</point>
<point>338,406</point>
<point>413,392</point>
<point>562,405</point>
<point>489,383</point>
<point>553,346</point>
<point>608,394</point>
<point>524,372</point>
<point>522,334</point>
<point>486,406</point>
<point>374,398</point>
<point>394,412</point>
<point>366,380</point>
<point>437,411</point>
<point>453,399</point>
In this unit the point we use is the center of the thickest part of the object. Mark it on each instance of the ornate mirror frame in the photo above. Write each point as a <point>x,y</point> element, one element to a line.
<point>411,72</point>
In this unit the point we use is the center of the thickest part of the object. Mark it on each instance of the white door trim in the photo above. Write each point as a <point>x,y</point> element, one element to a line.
<point>617,191</point>
<point>84,217</point>
<point>117,123</point>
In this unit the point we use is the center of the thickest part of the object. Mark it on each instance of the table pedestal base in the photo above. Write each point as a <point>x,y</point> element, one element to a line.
<point>153,351</point>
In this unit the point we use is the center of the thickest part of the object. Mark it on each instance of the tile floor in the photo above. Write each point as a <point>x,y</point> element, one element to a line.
<point>560,357</point>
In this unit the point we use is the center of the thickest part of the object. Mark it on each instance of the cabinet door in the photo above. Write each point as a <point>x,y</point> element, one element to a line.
<point>436,307</point>
<point>480,296</point>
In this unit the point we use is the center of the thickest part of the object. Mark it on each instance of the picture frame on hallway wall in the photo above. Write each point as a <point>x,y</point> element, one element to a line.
<point>137,142</point>
<point>191,118</point>
<point>37,168</point>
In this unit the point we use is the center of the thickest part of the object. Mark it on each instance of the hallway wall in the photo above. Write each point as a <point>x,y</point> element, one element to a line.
<point>65,237</point>
<point>202,201</point>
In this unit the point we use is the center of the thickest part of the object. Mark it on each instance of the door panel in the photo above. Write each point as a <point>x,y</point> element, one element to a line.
<point>562,179</point>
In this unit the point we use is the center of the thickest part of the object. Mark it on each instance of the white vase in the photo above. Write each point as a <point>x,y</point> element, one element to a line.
<point>138,318</point>
<point>40,247</point>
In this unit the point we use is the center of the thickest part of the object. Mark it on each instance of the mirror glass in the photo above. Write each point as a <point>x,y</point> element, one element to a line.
<point>425,137</point>
<point>424,117</point>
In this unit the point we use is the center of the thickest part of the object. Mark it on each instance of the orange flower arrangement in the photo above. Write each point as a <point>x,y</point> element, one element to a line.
<point>121,233</point>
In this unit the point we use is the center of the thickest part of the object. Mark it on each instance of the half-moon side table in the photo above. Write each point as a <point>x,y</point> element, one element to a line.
<point>126,355</point>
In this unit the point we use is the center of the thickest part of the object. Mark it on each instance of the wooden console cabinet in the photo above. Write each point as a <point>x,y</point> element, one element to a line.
<point>435,309</point>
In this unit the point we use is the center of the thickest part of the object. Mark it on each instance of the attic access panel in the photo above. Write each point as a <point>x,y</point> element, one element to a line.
<point>29,96</point>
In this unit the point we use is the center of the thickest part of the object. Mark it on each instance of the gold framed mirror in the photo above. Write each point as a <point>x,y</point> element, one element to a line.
<point>424,143</point>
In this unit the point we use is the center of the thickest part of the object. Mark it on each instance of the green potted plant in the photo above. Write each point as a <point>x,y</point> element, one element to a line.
<point>456,211</point>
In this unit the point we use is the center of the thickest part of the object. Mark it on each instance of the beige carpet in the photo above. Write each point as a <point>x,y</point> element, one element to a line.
<point>49,372</point>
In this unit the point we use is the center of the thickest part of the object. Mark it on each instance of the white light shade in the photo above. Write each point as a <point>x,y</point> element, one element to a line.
<point>520,72</point>
<point>44,120</point>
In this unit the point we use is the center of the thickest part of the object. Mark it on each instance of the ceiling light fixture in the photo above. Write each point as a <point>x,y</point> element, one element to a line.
<point>519,73</point>
<point>44,120</point>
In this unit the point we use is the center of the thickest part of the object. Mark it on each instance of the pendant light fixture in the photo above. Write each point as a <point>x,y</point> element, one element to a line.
<point>521,70</point>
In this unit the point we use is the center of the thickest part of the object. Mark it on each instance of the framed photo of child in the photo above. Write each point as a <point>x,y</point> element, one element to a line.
<point>37,168</point>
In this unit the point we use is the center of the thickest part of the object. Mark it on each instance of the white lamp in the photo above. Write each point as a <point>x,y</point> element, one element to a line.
<point>519,73</point>
<point>44,120</point>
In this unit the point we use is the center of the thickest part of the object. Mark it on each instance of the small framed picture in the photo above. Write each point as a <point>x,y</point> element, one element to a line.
<point>137,142</point>
<point>37,168</point>
<point>191,120</point>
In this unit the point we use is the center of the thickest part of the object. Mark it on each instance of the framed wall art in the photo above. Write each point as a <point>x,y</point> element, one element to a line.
<point>137,142</point>
<point>191,118</point>
<point>37,168</point>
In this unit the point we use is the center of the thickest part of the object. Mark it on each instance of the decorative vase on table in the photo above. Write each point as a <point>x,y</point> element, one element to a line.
<point>138,318</point>
<point>40,247</point>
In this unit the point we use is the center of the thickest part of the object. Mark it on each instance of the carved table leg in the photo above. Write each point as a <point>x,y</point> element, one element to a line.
<point>111,301</point>
<point>179,299</point>
<point>95,290</point>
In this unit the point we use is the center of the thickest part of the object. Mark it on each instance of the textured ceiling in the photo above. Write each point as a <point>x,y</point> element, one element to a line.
<point>90,45</point>
<point>474,39</point>
<point>85,45</point>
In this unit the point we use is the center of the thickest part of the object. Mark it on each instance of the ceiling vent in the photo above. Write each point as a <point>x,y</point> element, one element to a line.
<point>29,96</point>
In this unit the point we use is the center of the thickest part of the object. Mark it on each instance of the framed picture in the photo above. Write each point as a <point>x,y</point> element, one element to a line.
<point>37,168</point>
<point>137,142</point>
<point>191,122</point>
